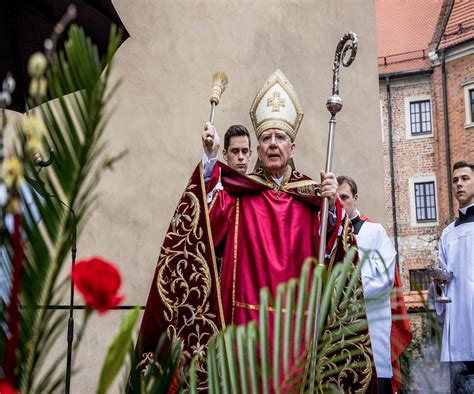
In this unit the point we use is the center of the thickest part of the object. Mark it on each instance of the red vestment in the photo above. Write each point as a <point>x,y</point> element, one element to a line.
<point>265,236</point>
<point>264,233</point>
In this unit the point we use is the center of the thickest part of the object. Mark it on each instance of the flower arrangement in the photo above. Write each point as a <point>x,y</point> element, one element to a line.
<point>44,205</point>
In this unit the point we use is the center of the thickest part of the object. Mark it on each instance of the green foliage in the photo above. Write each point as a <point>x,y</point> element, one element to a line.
<point>75,127</point>
<point>328,305</point>
<point>161,373</point>
<point>117,351</point>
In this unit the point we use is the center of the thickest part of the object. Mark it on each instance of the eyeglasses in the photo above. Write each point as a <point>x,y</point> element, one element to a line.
<point>266,139</point>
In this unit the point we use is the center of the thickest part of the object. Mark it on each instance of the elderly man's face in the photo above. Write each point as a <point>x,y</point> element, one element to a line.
<point>275,149</point>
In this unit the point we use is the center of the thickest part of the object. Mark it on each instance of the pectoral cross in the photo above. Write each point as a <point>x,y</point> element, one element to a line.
<point>276,102</point>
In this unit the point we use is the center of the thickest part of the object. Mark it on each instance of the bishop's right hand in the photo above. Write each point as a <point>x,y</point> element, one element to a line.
<point>209,135</point>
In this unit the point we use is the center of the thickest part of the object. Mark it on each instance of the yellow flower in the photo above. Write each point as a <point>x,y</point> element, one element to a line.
<point>13,173</point>
<point>13,206</point>
<point>38,87</point>
<point>34,127</point>
<point>34,148</point>
<point>37,65</point>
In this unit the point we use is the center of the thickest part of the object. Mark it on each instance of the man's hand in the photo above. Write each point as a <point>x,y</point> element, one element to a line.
<point>329,187</point>
<point>210,132</point>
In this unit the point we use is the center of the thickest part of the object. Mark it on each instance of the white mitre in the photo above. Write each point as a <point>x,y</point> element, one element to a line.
<point>277,106</point>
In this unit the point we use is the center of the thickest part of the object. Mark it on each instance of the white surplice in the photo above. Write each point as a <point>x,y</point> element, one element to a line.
<point>456,254</point>
<point>378,275</point>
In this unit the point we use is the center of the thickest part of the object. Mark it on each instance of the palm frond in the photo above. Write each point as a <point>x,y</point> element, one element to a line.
<point>276,353</point>
<point>75,126</point>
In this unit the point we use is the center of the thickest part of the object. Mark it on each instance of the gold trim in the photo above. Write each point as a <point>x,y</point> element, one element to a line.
<point>256,178</point>
<point>267,180</point>
<point>236,238</point>
<point>213,253</point>
<point>257,307</point>
<point>214,198</point>
<point>277,78</point>
<point>306,182</point>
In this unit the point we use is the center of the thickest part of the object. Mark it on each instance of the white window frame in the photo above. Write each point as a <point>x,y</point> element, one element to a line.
<point>408,101</point>
<point>468,85</point>
<point>411,187</point>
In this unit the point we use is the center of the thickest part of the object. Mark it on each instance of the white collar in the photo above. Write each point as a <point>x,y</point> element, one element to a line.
<point>464,210</point>
<point>278,180</point>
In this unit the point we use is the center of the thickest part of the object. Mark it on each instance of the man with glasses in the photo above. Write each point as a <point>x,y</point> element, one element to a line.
<point>263,226</point>
<point>266,226</point>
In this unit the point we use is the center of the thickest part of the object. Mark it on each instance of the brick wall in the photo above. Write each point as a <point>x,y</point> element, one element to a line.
<point>461,139</point>
<point>422,157</point>
<point>413,158</point>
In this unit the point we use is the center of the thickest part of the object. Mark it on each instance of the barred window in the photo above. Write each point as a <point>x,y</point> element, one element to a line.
<point>420,117</point>
<point>419,280</point>
<point>425,202</point>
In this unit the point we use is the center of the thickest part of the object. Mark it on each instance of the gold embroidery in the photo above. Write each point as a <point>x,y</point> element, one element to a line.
<point>276,102</point>
<point>308,190</point>
<point>346,315</point>
<point>144,364</point>
<point>213,253</point>
<point>186,297</point>
<point>236,237</point>
<point>257,307</point>
<point>346,235</point>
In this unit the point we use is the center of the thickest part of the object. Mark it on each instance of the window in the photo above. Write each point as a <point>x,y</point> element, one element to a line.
<point>471,102</point>
<point>420,117</point>
<point>419,280</point>
<point>425,202</point>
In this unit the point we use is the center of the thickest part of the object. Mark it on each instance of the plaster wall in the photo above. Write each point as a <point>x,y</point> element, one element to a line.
<point>162,106</point>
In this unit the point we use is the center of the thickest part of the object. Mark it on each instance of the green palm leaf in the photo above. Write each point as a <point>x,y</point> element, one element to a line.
<point>240,359</point>
<point>75,126</point>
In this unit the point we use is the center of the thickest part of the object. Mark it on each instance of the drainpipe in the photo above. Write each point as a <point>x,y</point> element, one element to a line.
<point>447,146</point>
<point>392,168</point>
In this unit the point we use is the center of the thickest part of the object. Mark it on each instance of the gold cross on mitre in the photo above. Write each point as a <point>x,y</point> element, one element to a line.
<point>276,102</point>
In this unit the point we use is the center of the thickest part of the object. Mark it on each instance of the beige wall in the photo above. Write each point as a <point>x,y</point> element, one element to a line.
<point>166,67</point>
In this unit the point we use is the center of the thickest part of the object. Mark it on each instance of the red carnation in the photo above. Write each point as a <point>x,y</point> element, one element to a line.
<point>6,387</point>
<point>99,282</point>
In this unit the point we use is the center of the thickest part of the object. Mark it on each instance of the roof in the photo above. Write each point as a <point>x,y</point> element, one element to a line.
<point>404,31</point>
<point>460,25</point>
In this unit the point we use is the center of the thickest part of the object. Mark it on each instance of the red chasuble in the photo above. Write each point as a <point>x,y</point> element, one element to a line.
<point>215,259</point>
<point>264,232</point>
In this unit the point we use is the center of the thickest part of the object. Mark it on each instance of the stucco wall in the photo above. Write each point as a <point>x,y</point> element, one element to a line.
<point>162,105</point>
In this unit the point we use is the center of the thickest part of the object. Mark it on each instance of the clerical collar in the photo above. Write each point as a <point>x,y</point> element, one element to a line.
<point>463,210</point>
<point>357,223</point>
<point>278,180</point>
<point>466,215</point>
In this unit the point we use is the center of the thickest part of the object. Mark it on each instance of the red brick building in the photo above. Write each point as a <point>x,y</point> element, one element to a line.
<point>426,73</point>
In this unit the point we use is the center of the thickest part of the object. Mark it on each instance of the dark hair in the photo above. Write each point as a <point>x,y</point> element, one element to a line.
<point>235,130</point>
<point>347,179</point>
<point>462,164</point>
